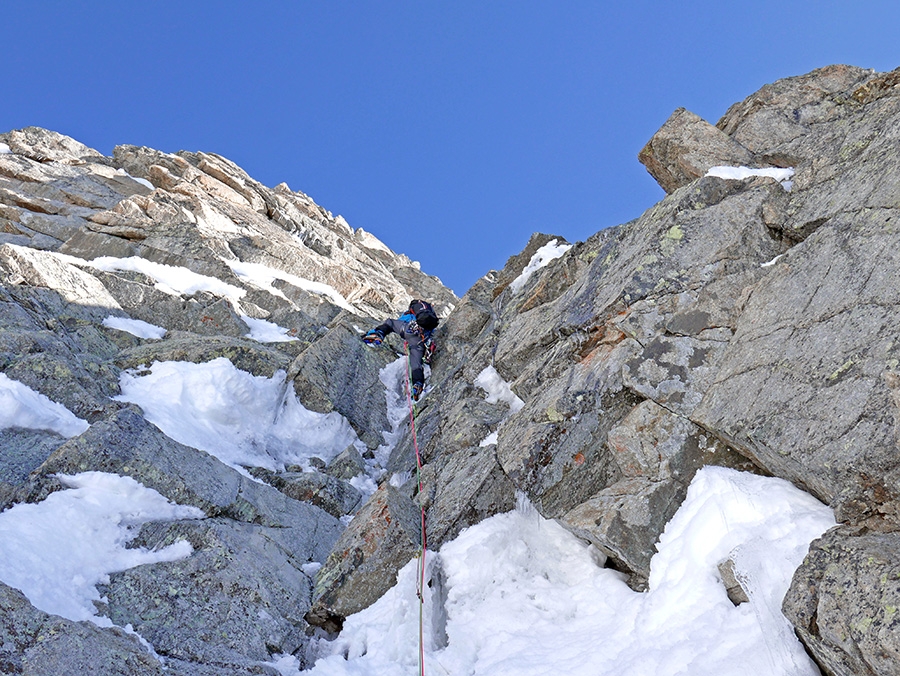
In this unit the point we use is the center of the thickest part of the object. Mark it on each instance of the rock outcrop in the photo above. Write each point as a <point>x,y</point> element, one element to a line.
<point>748,323</point>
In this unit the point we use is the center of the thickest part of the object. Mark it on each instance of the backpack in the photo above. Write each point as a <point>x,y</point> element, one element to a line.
<point>426,317</point>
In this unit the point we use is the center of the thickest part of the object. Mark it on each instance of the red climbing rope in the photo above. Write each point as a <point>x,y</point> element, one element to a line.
<point>420,580</point>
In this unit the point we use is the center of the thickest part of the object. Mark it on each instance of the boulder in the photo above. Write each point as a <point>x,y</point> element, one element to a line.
<point>340,373</point>
<point>686,147</point>
<point>33,643</point>
<point>844,602</point>
<point>364,562</point>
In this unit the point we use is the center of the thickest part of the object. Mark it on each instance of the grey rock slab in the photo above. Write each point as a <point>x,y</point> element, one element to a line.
<point>35,643</point>
<point>804,387</point>
<point>239,597</point>
<point>340,373</point>
<point>844,602</point>
<point>21,452</point>
<point>469,487</point>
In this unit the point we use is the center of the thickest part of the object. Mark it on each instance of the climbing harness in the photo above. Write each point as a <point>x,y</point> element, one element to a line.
<point>420,577</point>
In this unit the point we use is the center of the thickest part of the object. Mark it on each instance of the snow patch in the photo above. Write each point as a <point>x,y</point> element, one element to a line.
<point>524,597</point>
<point>266,332</point>
<point>498,389</point>
<point>57,551</point>
<point>20,406</point>
<point>263,277</point>
<point>541,258</point>
<point>242,419</point>
<point>783,176</point>
<point>4,149</point>
<point>771,262</point>
<point>170,279</point>
<point>135,327</point>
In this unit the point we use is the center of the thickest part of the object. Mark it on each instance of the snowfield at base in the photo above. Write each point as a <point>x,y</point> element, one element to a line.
<point>542,257</point>
<point>57,551</point>
<point>783,176</point>
<point>242,419</point>
<point>20,406</point>
<point>525,597</point>
<point>135,327</point>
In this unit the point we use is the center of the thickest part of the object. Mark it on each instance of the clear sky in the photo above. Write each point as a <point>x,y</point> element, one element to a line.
<point>450,130</point>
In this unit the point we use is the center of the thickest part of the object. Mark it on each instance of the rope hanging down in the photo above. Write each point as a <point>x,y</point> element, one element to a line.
<point>420,578</point>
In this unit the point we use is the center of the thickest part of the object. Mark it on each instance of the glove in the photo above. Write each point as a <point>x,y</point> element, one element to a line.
<point>430,347</point>
<point>373,337</point>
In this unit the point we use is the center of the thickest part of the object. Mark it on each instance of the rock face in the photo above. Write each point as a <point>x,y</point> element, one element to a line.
<point>85,239</point>
<point>743,323</point>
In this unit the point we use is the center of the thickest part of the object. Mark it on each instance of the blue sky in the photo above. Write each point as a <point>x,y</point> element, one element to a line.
<point>450,130</point>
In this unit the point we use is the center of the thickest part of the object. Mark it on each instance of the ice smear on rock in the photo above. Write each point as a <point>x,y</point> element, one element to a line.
<point>525,597</point>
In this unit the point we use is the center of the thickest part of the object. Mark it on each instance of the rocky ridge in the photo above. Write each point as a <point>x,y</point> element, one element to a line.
<point>744,323</point>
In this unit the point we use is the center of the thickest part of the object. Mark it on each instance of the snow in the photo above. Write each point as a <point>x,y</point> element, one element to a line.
<point>169,279</point>
<point>541,258</point>
<point>772,262</point>
<point>266,332</point>
<point>242,419</point>
<point>135,327</point>
<point>4,149</point>
<point>263,276</point>
<point>393,377</point>
<point>142,181</point>
<point>783,176</point>
<point>522,596</point>
<point>20,406</point>
<point>57,551</point>
<point>489,440</point>
<point>498,389</point>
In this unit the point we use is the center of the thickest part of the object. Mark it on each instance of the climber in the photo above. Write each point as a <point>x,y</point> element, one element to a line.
<point>416,327</point>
